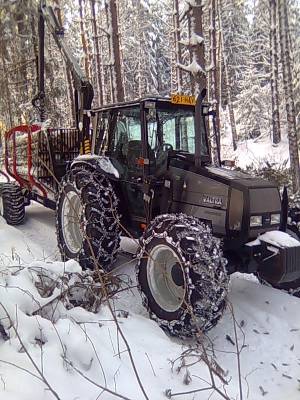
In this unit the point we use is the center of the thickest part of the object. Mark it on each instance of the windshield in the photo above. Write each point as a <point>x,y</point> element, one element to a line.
<point>175,130</point>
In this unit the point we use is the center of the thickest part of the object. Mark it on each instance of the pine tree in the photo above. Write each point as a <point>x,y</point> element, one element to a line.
<point>288,91</point>
<point>276,134</point>
<point>114,45</point>
<point>224,64</point>
<point>195,43</point>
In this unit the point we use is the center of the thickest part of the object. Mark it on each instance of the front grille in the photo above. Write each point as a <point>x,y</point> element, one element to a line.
<point>291,258</point>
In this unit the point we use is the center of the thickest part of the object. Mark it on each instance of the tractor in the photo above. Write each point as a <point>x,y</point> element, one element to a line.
<point>143,169</point>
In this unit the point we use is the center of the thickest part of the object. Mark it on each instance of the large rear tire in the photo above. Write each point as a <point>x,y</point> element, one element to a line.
<point>87,219</point>
<point>181,275</point>
<point>12,204</point>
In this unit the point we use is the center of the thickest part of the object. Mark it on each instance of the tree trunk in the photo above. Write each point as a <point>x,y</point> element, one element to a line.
<point>288,91</point>
<point>198,73</point>
<point>117,82</point>
<point>213,71</point>
<point>67,72</point>
<point>84,41</point>
<point>227,83</point>
<point>7,90</point>
<point>90,41</point>
<point>97,51</point>
<point>178,57</point>
<point>276,134</point>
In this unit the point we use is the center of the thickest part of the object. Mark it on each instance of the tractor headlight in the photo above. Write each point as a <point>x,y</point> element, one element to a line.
<point>275,219</point>
<point>255,220</point>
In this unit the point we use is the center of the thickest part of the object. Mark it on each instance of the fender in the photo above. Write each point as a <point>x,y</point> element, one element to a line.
<point>100,164</point>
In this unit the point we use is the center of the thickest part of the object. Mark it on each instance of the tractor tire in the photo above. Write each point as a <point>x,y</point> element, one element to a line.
<point>188,294</point>
<point>12,204</point>
<point>87,219</point>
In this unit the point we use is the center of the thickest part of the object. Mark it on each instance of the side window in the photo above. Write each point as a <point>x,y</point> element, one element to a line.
<point>187,134</point>
<point>126,145</point>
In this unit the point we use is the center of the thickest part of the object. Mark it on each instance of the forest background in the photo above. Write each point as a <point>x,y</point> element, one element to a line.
<point>247,54</point>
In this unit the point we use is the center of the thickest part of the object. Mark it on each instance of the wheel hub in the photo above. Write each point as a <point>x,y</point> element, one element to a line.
<point>165,278</point>
<point>177,275</point>
<point>72,222</point>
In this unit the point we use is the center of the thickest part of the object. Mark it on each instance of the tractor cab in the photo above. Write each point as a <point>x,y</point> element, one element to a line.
<point>143,139</point>
<point>141,135</point>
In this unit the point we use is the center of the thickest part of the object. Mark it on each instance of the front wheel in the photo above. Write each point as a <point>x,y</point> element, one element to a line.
<point>181,275</point>
<point>87,219</point>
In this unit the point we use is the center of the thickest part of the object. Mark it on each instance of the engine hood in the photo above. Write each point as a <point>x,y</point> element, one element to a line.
<point>214,193</point>
<point>231,177</point>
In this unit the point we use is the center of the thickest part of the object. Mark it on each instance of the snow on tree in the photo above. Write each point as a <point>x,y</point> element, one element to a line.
<point>193,11</point>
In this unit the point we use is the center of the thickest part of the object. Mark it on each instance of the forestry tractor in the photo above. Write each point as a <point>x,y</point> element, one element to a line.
<point>143,169</point>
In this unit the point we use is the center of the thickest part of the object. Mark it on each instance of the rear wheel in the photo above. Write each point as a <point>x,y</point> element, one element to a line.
<point>181,275</point>
<point>12,205</point>
<point>87,220</point>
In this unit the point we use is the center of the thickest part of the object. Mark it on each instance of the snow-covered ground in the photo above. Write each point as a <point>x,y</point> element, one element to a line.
<point>81,347</point>
<point>254,152</point>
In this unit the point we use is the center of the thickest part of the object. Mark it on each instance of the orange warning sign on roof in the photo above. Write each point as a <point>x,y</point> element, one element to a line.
<point>183,99</point>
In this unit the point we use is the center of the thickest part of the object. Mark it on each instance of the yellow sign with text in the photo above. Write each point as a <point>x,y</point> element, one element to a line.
<point>183,99</point>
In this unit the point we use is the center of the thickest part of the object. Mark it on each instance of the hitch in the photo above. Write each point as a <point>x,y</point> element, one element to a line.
<point>283,266</point>
<point>277,255</point>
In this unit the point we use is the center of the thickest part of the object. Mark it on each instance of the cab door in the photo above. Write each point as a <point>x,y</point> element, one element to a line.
<point>126,148</point>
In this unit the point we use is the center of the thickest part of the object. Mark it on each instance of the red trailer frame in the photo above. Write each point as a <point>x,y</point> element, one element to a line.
<point>10,158</point>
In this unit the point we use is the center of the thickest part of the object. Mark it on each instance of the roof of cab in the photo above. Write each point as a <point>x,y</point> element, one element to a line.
<point>137,102</point>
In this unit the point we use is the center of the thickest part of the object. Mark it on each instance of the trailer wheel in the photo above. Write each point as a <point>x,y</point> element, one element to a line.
<point>87,220</point>
<point>12,205</point>
<point>181,275</point>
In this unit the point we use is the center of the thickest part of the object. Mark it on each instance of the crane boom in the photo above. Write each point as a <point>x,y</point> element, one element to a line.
<point>83,88</point>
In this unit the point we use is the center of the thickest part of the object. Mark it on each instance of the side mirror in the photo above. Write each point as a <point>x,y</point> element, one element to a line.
<point>205,109</point>
<point>203,93</point>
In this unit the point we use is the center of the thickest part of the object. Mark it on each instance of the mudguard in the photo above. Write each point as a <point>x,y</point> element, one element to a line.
<point>101,164</point>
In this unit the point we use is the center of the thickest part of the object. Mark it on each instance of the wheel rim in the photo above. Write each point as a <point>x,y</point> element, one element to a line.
<point>169,293</point>
<point>71,221</point>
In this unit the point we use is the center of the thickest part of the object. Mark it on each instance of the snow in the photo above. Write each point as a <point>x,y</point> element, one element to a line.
<point>79,340</point>
<point>276,238</point>
<point>254,152</point>
<point>193,67</point>
<point>280,239</point>
<point>194,40</point>
<point>104,163</point>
